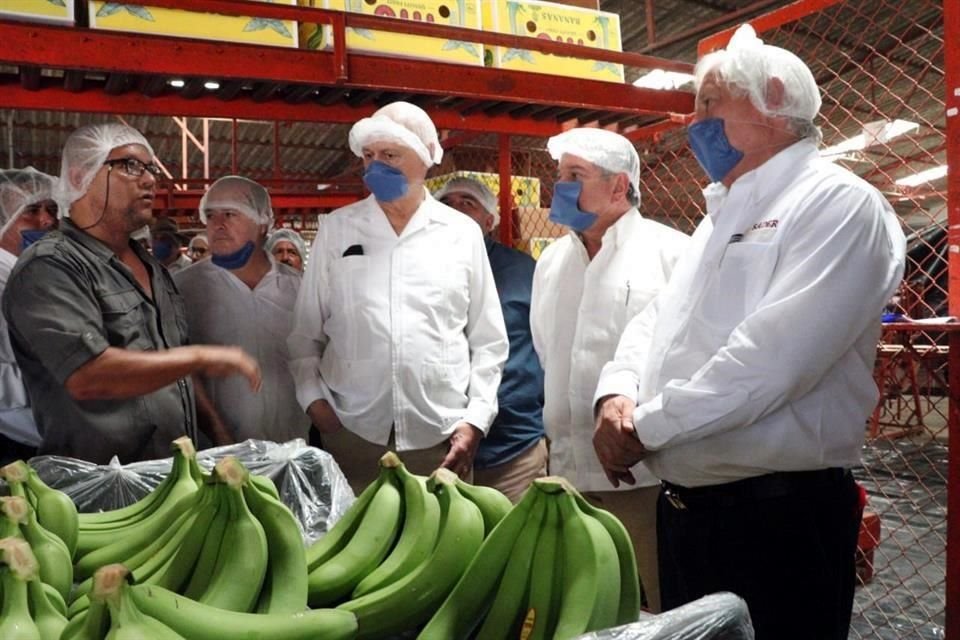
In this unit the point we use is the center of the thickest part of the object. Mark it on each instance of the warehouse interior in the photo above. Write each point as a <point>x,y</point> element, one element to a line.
<point>280,115</point>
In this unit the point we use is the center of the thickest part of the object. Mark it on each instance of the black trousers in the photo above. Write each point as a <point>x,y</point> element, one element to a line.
<point>11,450</point>
<point>783,542</point>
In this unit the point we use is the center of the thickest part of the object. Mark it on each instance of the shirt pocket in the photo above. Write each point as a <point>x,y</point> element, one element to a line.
<point>353,306</point>
<point>445,385</point>
<point>123,321</point>
<point>739,283</point>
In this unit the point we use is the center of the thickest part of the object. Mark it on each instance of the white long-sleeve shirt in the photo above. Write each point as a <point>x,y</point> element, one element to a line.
<point>16,417</point>
<point>761,355</point>
<point>222,310</point>
<point>400,331</point>
<point>578,311</point>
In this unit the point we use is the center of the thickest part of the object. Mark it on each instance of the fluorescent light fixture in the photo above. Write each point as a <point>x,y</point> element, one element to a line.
<point>660,79</point>
<point>916,179</point>
<point>323,186</point>
<point>177,84</point>
<point>879,132</point>
<point>213,85</point>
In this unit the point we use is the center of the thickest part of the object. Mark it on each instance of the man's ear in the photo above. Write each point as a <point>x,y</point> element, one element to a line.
<point>775,94</point>
<point>621,186</point>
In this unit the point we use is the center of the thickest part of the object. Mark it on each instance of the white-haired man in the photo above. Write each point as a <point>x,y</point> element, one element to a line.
<point>27,213</point>
<point>588,285</point>
<point>242,297</point>
<point>398,339</point>
<point>97,325</point>
<point>748,393</point>
<point>514,453</point>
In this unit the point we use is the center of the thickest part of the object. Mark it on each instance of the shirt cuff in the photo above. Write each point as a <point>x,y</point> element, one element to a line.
<point>651,424</point>
<point>309,391</point>
<point>619,383</point>
<point>480,416</point>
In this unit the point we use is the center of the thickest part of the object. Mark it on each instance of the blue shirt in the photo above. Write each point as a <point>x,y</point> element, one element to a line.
<point>519,422</point>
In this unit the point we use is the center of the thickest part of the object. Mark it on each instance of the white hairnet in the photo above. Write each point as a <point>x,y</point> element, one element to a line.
<point>400,122</point>
<point>197,238</point>
<point>290,236</point>
<point>20,188</point>
<point>238,194</point>
<point>474,188</point>
<point>608,150</point>
<point>748,65</point>
<point>84,153</point>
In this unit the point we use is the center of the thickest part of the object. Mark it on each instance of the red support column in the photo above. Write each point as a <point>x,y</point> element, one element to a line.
<point>951,19</point>
<point>506,195</point>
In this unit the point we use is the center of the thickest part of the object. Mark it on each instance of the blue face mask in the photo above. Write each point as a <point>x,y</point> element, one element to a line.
<point>386,183</point>
<point>28,237</point>
<point>162,249</point>
<point>236,259</point>
<point>712,148</point>
<point>565,210</point>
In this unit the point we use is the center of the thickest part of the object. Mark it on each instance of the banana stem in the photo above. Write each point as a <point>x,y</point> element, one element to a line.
<point>17,555</point>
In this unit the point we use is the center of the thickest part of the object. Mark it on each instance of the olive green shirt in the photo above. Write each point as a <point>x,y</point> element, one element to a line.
<point>70,297</point>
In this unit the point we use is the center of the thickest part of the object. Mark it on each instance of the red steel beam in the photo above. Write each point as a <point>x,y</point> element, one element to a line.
<point>766,22</point>
<point>190,200</point>
<point>951,24</point>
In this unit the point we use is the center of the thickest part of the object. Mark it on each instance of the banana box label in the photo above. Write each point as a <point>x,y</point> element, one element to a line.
<point>525,190</point>
<point>453,13</point>
<point>136,18</point>
<point>558,22</point>
<point>51,11</point>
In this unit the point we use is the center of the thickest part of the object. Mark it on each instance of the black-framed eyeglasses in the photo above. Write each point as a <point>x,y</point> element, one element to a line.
<point>134,168</point>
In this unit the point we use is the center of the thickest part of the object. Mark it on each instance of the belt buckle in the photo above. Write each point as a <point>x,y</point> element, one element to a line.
<point>674,500</point>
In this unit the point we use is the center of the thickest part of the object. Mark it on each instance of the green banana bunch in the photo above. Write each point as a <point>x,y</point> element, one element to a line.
<point>184,453</point>
<point>492,503</point>
<point>337,537</point>
<point>590,575</point>
<point>176,573</point>
<point>127,622</point>
<point>507,613</point>
<point>409,601</point>
<point>91,624</point>
<point>18,567</point>
<point>631,589</point>
<point>55,510</point>
<point>549,569</point>
<point>285,585</point>
<point>468,600</point>
<point>56,568</point>
<point>180,484</point>
<point>242,556</point>
<point>201,622</point>
<point>421,524</point>
<point>138,543</point>
<point>369,544</point>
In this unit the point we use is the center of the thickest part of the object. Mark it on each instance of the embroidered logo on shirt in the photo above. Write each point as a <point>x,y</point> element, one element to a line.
<point>765,224</point>
<point>762,231</point>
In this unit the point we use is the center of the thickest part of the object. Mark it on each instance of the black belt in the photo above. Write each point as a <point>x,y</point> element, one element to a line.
<point>772,485</point>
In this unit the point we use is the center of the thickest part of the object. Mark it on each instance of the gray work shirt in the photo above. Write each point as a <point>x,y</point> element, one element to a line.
<point>70,297</point>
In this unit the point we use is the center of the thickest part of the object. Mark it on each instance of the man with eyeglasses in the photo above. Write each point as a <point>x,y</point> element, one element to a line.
<point>27,212</point>
<point>97,325</point>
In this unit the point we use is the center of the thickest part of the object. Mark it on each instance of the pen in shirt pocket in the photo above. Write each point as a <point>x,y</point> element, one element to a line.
<point>627,302</point>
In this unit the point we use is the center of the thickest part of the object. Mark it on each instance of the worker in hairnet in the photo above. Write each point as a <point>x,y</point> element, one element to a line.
<point>166,243</point>
<point>287,246</point>
<point>97,325</point>
<point>398,340</point>
<point>243,297</point>
<point>588,285</point>
<point>27,212</point>
<point>514,453</point>
<point>748,394</point>
<point>199,248</point>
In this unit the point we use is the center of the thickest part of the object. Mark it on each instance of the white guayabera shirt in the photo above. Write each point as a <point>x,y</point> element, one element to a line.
<point>400,331</point>
<point>760,356</point>
<point>578,311</point>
